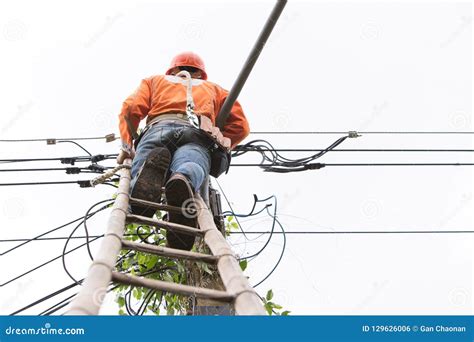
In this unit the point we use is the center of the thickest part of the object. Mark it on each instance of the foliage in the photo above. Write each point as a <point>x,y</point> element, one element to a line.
<point>139,301</point>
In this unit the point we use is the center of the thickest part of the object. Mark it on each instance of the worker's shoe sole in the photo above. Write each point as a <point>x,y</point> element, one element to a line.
<point>150,180</point>
<point>180,194</point>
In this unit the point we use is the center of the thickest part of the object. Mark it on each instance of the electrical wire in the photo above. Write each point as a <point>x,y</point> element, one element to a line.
<point>363,132</point>
<point>69,170</point>
<point>280,163</point>
<point>63,259</point>
<point>314,166</point>
<point>243,148</point>
<point>44,264</point>
<point>230,206</point>
<point>282,250</point>
<point>271,230</point>
<point>51,295</point>
<point>81,183</point>
<point>108,137</point>
<point>64,160</point>
<point>47,232</point>
<point>75,143</point>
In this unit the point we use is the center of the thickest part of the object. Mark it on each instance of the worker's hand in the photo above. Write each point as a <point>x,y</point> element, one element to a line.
<point>124,155</point>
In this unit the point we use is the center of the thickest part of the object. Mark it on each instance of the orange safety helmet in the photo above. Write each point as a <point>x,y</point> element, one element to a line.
<point>188,59</point>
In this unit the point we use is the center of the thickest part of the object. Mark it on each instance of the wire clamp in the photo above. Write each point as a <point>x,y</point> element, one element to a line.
<point>353,134</point>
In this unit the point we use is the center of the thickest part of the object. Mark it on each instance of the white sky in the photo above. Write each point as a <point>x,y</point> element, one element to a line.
<point>66,67</point>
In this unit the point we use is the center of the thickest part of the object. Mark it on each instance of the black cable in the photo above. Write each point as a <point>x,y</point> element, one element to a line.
<point>86,216</point>
<point>80,182</point>
<point>321,165</point>
<point>280,163</point>
<point>62,290</point>
<point>109,137</point>
<point>271,231</point>
<point>44,264</point>
<point>366,232</point>
<point>364,132</point>
<point>46,233</point>
<point>75,143</point>
<point>57,238</point>
<point>55,293</point>
<point>230,206</point>
<point>69,170</point>
<point>63,259</point>
<point>282,249</point>
<point>64,302</point>
<point>64,160</point>
<point>243,148</point>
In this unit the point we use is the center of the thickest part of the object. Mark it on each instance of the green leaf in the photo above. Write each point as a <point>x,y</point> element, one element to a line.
<point>269,309</point>
<point>121,301</point>
<point>269,294</point>
<point>243,265</point>
<point>121,312</point>
<point>230,218</point>
<point>285,313</point>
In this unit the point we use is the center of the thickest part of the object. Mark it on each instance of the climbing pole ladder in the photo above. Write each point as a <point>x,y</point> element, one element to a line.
<point>238,291</point>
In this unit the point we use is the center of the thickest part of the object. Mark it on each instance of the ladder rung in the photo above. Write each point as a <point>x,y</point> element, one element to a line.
<point>159,285</point>
<point>169,252</point>
<point>157,206</point>
<point>179,228</point>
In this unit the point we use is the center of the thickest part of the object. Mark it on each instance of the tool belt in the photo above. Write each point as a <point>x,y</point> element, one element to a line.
<point>207,135</point>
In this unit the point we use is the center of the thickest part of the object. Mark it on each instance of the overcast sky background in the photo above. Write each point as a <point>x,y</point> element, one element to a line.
<point>67,66</point>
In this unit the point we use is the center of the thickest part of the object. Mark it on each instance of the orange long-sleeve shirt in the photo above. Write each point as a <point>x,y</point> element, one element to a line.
<point>167,94</point>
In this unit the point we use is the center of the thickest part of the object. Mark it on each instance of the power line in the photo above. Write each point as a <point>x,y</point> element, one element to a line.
<point>309,232</point>
<point>64,160</point>
<point>241,148</point>
<point>51,295</point>
<point>82,183</point>
<point>50,141</point>
<point>364,132</point>
<point>69,170</point>
<point>26,241</point>
<point>44,264</point>
<point>321,165</point>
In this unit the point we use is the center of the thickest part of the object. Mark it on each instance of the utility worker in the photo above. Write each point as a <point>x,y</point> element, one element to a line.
<point>180,146</point>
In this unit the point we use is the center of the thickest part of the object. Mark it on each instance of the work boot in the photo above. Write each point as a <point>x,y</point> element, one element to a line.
<point>180,194</point>
<point>150,180</point>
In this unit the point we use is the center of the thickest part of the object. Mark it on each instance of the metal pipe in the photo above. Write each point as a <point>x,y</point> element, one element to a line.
<point>249,63</point>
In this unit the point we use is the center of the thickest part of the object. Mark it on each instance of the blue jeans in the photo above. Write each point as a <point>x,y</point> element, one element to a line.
<point>192,160</point>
